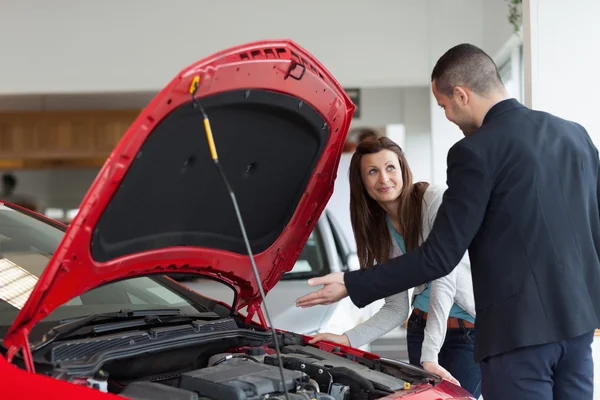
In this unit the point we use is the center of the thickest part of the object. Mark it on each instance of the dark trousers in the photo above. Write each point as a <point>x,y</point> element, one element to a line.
<point>456,355</point>
<point>554,371</point>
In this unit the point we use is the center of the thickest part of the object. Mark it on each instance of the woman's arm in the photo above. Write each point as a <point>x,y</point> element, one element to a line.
<point>441,300</point>
<point>442,290</point>
<point>391,315</point>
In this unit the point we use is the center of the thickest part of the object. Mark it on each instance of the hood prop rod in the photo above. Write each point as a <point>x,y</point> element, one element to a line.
<point>213,152</point>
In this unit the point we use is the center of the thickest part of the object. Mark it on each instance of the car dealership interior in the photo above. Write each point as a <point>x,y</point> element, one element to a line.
<point>174,174</point>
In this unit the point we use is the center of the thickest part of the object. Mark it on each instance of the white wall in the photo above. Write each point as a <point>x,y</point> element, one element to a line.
<point>83,101</point>
<point>491,31</point>
<point>443,133</point>
<point>496,29</point>
<point>380,106</point>
<point>562,51</point>
<point>417,124</point>
<point>79,46</point>
<point>596,357</point>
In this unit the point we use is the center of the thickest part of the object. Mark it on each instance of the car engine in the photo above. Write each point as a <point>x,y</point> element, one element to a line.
<point>232,364</point>
<point>234,378</point>
<point>309,374</point>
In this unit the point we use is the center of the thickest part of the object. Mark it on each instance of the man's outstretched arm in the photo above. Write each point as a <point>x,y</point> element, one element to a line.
<point>458,219</point>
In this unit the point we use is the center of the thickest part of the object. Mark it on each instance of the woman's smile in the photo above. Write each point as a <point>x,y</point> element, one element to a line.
<point>385,189</point>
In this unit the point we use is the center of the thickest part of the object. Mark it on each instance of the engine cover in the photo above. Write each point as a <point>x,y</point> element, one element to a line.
<point>241,379</point>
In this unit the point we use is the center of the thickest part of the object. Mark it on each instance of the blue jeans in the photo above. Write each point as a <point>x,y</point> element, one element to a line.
<point>456,355</point>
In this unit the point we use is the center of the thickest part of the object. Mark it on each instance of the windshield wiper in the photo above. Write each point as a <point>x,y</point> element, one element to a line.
<point>107,322</point>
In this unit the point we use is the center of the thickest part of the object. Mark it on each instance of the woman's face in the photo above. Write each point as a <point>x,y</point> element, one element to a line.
<point>382,176</point>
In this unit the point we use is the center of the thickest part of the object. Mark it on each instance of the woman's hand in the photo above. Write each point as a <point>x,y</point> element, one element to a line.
<point>332,337</point>
<point>437,369</point>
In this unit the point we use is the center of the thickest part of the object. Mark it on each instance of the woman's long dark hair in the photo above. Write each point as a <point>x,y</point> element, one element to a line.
<point>369,224</point>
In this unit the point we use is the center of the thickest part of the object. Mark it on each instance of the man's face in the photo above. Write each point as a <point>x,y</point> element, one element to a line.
<point>458,110</point>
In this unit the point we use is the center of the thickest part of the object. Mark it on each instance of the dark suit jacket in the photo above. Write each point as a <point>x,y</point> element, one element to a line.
<point>522,197</point>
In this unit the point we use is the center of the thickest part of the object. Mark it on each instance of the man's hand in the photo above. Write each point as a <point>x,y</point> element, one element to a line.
<point>330,337</point>
<point>437,369</point>
<point>333,291</point>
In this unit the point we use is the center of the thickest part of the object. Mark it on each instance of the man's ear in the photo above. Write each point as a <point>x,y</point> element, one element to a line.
<point>461,95</point>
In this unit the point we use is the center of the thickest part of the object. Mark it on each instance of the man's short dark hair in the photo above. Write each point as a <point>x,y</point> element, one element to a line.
<point>466,65</point>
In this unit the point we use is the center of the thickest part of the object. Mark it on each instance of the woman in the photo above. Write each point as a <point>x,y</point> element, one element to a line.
<point>390,216</point>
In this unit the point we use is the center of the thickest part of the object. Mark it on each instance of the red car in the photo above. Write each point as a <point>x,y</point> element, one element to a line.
<point>89,311</point>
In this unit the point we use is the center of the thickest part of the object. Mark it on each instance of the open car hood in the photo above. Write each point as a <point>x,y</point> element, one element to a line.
<point>159,204</point>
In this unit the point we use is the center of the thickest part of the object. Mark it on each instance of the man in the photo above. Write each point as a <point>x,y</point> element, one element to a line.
<point>354,138</point>
<point>9,184</point>
<point>522,197</point>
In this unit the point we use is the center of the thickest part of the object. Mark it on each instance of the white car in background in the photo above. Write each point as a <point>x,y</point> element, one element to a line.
<point>327,250</point>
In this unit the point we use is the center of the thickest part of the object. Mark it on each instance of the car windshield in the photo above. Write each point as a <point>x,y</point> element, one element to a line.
<point>26,245</point>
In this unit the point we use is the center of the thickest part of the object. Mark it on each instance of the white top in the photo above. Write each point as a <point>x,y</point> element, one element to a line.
<point>456,287</point>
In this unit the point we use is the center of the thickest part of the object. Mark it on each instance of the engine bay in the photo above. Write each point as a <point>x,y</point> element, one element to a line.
<point>236,364</point>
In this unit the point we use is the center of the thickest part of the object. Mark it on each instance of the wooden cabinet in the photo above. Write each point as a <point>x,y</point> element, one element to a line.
<point>34,138</point>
